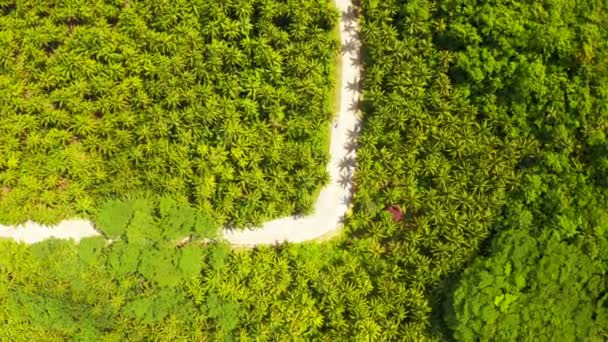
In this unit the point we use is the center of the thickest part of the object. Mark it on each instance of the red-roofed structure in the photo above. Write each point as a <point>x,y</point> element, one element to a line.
<point>396,211</point>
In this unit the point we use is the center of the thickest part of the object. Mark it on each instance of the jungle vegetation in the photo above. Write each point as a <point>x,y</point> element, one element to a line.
<point>221,104</point>
<point>533,289</point>
<point>484,121</point>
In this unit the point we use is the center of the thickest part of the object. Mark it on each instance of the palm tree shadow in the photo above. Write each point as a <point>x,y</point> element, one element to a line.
<point>347,163</point>
<point>357,59</point>
<point>352,134</point>
<point>351,145</point>
<point>355,105</point>
<point>350,28</point>
<point>347,199</point>
<point>345,181</point>
<point>354,86</point>
<point>351,14</point>
<point>350,46</point>
<point>299,215</point>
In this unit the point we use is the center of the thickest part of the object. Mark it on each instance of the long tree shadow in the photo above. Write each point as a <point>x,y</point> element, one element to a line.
<point>351,50</point>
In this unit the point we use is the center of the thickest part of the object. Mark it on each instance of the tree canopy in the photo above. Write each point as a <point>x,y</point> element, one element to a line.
<point>221,104</point>
<point>532,289</point>
<point>484,121</point>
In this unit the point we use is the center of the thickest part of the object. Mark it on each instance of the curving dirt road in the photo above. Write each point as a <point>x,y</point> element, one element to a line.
<point>334,198</point>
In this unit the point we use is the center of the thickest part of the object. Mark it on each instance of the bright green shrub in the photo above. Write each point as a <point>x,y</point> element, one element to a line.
<point>222,104</point>
<point>113,217</point>
<point>150,221</point>
<point>148,236</point>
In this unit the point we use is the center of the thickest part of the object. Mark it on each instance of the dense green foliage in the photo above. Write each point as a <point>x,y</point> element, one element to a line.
<point>143,285</point>
<point>537,70</point>
<point>223,104</point>
<point>134,221</point>
<point>481,118</point>
<point>533,290</point>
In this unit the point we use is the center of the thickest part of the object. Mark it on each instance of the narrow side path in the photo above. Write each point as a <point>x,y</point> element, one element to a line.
<point>334,198</point>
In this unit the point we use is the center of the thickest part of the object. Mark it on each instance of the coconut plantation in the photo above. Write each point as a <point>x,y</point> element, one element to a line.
<point>311,170</point>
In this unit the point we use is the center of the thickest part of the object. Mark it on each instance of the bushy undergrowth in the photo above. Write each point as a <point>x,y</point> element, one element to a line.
<point>222,104</point>
<point>474,125</point>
